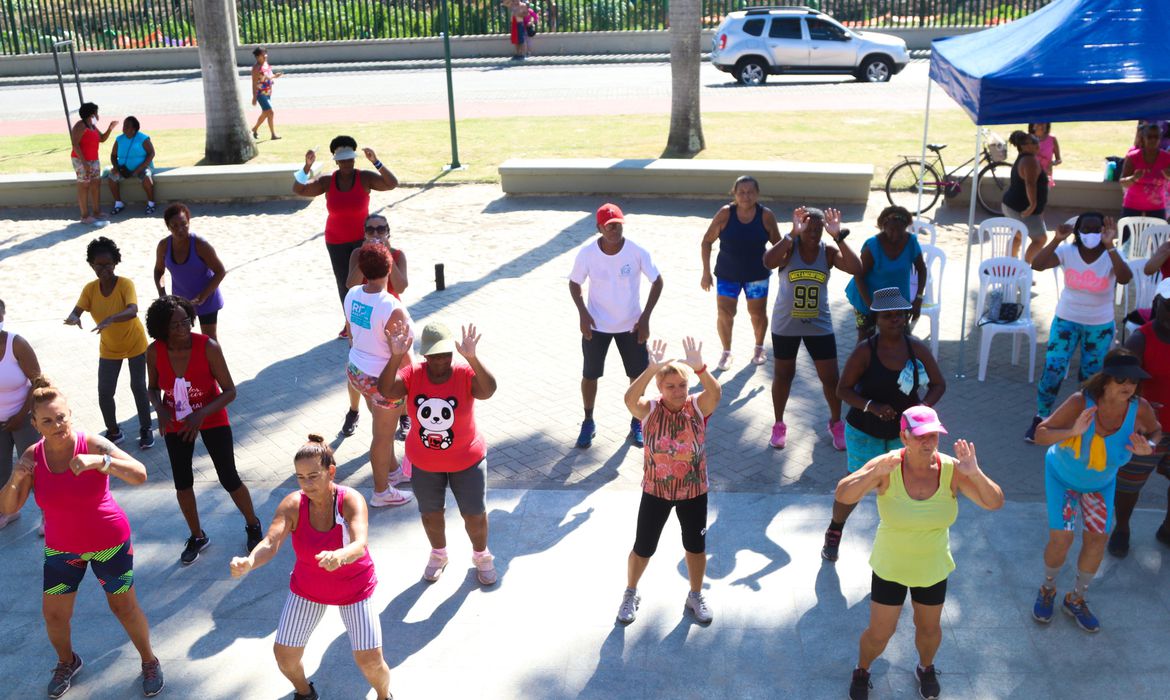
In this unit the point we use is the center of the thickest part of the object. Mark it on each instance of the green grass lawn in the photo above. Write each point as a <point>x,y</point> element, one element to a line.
<point>417,150</point>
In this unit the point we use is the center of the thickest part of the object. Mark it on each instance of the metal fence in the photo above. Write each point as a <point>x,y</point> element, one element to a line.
<point>30,26</point>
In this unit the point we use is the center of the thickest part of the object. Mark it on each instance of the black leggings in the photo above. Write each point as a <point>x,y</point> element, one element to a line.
<point>653,513</point>
<point>339,258</point>
<point>218,442</point>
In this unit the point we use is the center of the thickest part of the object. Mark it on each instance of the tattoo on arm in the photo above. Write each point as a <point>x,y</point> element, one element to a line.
<point>102,445</point>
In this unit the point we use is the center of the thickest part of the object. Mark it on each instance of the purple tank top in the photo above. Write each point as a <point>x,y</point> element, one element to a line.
<point>190,278</point>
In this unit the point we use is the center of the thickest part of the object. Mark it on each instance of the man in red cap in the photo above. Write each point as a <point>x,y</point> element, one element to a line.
<point>614,266</point>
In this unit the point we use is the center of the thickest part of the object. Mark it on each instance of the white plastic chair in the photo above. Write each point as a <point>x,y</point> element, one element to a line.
<point>1152,238</point>
<point>934,257</point>
<point>1013,279</point>
<point>920,227</point>
<point>1139,293</point>
<point>1136,225</point>
<point>998,234</point>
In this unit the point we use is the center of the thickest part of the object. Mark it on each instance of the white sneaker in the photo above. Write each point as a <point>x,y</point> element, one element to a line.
<point>390,497</point>
<point>697,605</point>
<point>629,607</point>
<point>724,361</point>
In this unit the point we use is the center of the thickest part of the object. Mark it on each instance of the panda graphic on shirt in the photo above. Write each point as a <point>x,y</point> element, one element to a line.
<point>434,418</point>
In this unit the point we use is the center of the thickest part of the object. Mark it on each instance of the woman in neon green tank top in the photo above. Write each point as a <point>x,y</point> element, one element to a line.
<point>917,498</point>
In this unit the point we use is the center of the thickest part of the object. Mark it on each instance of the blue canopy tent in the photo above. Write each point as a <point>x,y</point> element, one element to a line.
<point>1072,60</point>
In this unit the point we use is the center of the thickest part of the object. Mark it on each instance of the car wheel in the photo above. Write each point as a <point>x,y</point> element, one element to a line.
<point>875,70</point>
<point>751,71</point>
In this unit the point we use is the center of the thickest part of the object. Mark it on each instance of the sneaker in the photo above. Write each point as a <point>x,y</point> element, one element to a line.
<point>724,361</point>
<point>63,676</point>
<point>697,606</point>
<point>195,545</point>
<point>435,566</point>
<point>928,686</point>
<point>628,610</point>
<point>636,436</point>
<point>152,678</point>
<point>1045,601</point>
<point>400,475</point>
<point>759,355</point>
<point>779,435</point>
<point>6,520</point>
<point>1119,543</point>
<point>150,209</point>
<point>255,535</point>
<point>117,436</point>
<point>1030,436</point>
<point>145,438</point>
<point>588,431</point>
<point>485,570</point>
<point>311,695</point>
<point>837,430</point>
<point>403,428</point>
<point>119,207</point>
<point>861,685</point>
<point>390,497</point>
<point>1079,611</point>
<point>88,221</point>
<point>832,543</point>
<point>1163,534</point>
<point>349,426</point>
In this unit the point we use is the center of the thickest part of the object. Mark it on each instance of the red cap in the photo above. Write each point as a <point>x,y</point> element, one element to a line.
<point>609,213</point>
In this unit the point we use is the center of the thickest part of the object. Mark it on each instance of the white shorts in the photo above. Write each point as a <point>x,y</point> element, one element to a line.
<point>301,615</point>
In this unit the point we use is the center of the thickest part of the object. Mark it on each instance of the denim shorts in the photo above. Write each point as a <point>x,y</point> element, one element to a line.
<point>265,102</point>
<point>751,290</point>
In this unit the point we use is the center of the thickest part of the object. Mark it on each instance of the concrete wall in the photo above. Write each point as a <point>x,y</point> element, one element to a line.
<point>568,43</point>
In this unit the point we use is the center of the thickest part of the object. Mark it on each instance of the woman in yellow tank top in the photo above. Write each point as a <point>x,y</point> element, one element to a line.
<point>917,498</point>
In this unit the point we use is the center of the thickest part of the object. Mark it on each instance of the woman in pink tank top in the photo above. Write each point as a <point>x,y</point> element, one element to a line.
<point>329,525</point>
<point>68,473</point>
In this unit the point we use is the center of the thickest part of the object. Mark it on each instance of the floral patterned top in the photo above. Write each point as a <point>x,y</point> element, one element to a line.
<point>676,452</point>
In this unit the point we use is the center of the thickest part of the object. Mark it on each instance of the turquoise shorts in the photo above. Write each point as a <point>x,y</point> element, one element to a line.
<point>861,447</point>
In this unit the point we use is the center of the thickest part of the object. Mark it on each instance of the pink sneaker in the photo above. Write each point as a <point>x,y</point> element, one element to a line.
<point>837,430</point>
<point>779,435</point>
<point>485,570</point>
<point>759,355</point>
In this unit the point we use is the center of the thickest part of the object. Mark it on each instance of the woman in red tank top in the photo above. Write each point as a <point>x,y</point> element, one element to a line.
<point>86,137</point>
<point>190,387</point>
<point>347,198</point>
<point>329,525</point>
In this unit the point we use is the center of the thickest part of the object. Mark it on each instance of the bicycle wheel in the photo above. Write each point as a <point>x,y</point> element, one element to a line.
<point>993,180</point>
<point>903,186</point>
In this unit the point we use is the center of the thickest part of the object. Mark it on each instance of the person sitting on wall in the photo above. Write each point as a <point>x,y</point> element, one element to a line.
<point>131,156</point>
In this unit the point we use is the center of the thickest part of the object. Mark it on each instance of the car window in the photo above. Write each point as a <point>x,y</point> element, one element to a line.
<point>820,30</point>
<point>755,27</point>
<point>785,28</point>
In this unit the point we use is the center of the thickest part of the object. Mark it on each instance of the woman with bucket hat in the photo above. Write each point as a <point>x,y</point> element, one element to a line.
<point>883,377</point>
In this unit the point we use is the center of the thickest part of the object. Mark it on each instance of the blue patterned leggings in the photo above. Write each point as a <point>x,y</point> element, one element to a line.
<point>1063,339</point>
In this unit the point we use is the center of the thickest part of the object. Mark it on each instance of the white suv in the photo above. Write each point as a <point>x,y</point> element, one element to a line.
<point>751,44</point>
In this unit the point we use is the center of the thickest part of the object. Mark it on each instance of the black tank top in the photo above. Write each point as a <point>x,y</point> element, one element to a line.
<point>1016,195</point>
<point>880,384</point>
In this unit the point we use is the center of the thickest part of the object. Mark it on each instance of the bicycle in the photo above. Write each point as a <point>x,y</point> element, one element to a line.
<point>903,184</point>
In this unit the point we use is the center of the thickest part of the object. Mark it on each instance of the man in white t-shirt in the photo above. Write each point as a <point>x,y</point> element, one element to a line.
<point>614,266</point>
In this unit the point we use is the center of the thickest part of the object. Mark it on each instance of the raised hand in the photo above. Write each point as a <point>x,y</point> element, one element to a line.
<point>799,224</point>
<point>657,352</point>
<point>466,346</point>
<point>965,454</point>
<point>1139,445</point>
<point>1063,231</point>
<point>1109,232</point>
<point>240,566</point>
<point>694,353</point>
<point>310,158</point>
<point>398,337</point>
<point>1084,420</point>
<point>833,223</point>
<point>370,155</point>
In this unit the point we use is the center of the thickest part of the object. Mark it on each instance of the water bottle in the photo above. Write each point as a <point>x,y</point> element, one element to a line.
<point>1110,170</point>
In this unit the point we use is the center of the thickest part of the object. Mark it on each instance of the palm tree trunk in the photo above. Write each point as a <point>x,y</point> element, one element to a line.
<point>227,138</point>
<point>686,127</point>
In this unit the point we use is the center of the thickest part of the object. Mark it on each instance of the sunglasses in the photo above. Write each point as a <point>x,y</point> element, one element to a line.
<point>377,229</point>
<point>1125,380</point>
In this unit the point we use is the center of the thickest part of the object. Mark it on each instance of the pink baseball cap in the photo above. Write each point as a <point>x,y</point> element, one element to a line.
<point>920,420</point>
<point>608,213</point>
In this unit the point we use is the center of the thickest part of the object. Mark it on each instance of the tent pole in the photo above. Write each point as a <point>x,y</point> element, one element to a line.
<point>922,163</point>
<point>970,238</point>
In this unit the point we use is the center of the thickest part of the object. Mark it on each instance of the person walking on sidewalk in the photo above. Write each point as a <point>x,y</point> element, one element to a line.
<point>918,491</point>
<point>674,475</point>
<point>198,276</point>
<point>87,138</point>
<point>68,473</point>
<point>803,262</point>
<point>882,378</point>
<point>446,448</point>
<point>1150,343</point>
<point>18,368</point>
<point>329,525</point>
<point>613,265</point>
<point>347,199</point>
<point>1094,433</point>
<point>263,78</point>
<point>887,260</point>
<point>743,228</point>
<point>131,156</point>
<point>372,311</point>
<point>112,301</point>
<point>190,387</point>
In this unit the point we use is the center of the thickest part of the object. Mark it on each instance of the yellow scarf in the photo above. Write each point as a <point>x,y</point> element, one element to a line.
<point>1097,452</point>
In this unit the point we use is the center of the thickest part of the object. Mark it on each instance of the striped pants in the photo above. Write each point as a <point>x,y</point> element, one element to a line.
<point>301,615</point>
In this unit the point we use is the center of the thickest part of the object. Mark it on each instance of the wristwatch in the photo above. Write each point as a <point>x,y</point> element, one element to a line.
<point>106,460</point>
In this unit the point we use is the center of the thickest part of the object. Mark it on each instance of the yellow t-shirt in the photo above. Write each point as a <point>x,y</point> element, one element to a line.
<point>121,340</point>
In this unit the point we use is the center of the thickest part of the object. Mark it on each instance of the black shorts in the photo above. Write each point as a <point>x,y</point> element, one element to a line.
<point>653,512</point>
<point>635,358</point>
<point>889,593</point>
<point>208,319</point>
<point>821,347</point>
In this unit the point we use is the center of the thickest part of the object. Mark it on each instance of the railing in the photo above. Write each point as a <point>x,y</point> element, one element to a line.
<point>31,26</point>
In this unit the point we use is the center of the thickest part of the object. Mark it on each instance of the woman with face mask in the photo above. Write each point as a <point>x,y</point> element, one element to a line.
<point>1092,265</point>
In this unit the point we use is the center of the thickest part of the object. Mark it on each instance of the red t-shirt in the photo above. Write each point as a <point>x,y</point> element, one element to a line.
<point>443,437</point>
